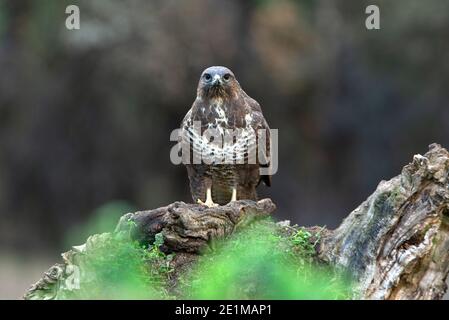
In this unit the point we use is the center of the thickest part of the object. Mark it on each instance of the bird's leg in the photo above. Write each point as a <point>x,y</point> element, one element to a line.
<point>234,194</point>
<point>209,203</point>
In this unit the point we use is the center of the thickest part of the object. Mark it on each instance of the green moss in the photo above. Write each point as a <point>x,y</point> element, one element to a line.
<point>260,263</point>
<point>115,268</point>
<point>304,243</point>
<point>396,195</point>
<point>158,263</point>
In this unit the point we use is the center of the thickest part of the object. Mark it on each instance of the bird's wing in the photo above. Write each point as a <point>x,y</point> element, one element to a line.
<point>259,124</point>
<point>189,138</point>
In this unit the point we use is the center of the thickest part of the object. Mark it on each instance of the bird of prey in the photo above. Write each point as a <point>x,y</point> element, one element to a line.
<point>221,106</point>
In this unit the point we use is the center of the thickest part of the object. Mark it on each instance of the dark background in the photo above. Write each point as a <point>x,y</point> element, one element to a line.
<point>85,116</point>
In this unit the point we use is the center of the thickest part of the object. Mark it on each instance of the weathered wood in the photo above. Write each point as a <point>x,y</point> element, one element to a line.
<point>187,229</point>
<point>192,227</point>
<point>395,244</point>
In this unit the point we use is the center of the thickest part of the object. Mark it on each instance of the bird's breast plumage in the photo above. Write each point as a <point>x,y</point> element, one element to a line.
<point>229,121</point>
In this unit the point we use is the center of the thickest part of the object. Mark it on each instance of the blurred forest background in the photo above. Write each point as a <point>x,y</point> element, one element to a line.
<point>85,116</point>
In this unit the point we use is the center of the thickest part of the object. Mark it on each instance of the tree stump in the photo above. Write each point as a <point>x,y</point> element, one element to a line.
<point>395,244</point>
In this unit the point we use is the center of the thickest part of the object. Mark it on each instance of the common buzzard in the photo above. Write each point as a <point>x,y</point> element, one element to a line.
<point>228,141</point>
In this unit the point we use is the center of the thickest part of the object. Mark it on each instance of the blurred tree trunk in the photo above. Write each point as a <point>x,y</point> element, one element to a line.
<point>395,244</point>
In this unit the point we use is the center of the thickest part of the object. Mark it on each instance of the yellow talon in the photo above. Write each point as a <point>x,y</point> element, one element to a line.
<point>234,194</point>
<point>209,203</point>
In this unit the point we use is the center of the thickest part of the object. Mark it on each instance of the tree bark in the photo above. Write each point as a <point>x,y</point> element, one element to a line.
<point>192,227</point>
<point>395,244</point>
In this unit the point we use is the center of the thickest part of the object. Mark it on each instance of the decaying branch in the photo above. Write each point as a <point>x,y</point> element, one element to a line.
<point>395,244</point>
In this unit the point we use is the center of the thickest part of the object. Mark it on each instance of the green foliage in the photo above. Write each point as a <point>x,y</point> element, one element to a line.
<point>259,263</point>
<point>158,263</point>
<point>116,268</point>
<point>302,239</point>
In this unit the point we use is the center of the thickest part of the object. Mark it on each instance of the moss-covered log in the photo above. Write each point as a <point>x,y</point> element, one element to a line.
<point>395,244</point>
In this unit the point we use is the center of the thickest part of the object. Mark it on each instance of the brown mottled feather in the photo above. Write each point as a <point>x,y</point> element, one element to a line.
<point>227,107</point>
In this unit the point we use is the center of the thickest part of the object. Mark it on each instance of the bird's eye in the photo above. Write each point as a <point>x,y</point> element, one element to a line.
<point>207,76</point>
<point>227,76</point>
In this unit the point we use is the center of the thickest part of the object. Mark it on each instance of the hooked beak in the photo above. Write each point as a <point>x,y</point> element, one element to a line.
<point>216,81</point>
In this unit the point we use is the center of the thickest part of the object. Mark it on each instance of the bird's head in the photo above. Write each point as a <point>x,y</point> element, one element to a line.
<point>217,82</point>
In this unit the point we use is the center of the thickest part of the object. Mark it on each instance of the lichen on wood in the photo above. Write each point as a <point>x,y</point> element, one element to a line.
<point>396,243</point>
